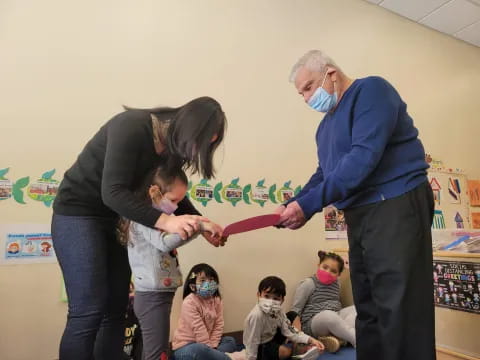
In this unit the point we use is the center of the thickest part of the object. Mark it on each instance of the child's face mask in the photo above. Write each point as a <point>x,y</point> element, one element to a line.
<point>325,277</point>
<point>165,205</point>
<point>270,306</point>
<point>207,288</point>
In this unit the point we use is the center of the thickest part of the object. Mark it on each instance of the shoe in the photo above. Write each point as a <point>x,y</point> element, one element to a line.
<point>238,355</point>
<point>331,343</point>
<point>300,349</point>
<point>311,354</point>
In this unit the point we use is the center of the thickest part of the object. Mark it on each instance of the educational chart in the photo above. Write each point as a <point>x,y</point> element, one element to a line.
<point>26,243</point>
<point>457,285</point>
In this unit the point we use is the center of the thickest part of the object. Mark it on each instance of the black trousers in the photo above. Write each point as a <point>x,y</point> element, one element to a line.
<point>391,271</point>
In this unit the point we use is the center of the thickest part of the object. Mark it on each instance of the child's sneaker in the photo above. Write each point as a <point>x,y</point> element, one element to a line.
<point>238,355</point>
<point>311,354</point>
<point>332,344</point>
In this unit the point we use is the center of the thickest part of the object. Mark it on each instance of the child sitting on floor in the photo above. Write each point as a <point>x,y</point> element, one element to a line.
<point>317,303</point>
<point>261,338</point>
<point>200,327</point>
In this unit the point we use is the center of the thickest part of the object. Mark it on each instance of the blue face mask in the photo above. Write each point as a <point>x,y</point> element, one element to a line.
<point>321,100</point>
<point>207,288</point>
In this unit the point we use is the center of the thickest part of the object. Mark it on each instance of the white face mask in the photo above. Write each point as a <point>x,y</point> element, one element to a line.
<point>270,306</point>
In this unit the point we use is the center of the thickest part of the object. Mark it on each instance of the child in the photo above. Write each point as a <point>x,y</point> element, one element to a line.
<point>317,302</point>
<point>261,338</point>
<point>200,327</point>
<point>153,260</point>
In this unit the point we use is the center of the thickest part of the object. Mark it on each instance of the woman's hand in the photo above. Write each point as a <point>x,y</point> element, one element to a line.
<point>184,225</point>
<point>213,234</point>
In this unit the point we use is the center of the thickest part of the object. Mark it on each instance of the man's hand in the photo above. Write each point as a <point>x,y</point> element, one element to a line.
<point>292,217</point>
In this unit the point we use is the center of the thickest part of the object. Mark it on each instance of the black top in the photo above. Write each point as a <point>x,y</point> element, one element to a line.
<point>112,164</point>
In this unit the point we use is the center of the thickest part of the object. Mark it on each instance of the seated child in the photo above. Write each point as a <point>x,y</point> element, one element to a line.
<point>262,324</point>
<point>317,303</point>
<point>200,326</point>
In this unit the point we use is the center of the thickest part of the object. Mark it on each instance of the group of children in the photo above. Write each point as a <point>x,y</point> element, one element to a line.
<point>269,333</point>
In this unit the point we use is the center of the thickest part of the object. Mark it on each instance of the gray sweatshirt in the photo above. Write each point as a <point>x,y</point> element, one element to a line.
<point>153,259</point>
<point>260,328</point>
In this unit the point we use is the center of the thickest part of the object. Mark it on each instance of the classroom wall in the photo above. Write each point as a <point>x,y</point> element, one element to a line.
<point>66,68</point>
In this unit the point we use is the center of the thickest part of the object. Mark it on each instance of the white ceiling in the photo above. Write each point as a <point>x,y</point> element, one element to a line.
<point>458,18</point>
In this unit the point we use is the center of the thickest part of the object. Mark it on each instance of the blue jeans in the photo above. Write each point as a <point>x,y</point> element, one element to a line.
<point>197,351</point>
<point>97,276</point>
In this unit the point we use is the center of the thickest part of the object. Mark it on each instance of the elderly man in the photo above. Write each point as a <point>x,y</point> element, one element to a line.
<point>372,165</point>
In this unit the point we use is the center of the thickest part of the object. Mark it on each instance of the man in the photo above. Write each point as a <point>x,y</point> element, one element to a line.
<point>372,166</point>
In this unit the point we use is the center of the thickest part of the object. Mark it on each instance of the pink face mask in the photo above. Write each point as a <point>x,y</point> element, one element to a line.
<point>166,206</point>
<point>325,277</point>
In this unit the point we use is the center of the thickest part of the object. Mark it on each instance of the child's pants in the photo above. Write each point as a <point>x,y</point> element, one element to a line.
<point>152,309</point>
<point>198,351</point>
<point>340,324</point>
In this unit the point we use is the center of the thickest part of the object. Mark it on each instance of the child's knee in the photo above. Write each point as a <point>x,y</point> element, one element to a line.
<point>284,352</point>
<point>329,317</point>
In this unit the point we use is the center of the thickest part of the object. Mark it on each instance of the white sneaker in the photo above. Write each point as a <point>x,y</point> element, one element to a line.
<point>238,355</point>
<point>311,354</point>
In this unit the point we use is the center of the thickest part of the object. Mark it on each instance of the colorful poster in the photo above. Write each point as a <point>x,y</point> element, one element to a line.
<point>26,243</point>
<point>476,220</point>
<point>457,285</point>
<point>44,189</point>
<point>5,189</point>
<point>335,225</point>
<point>474,192</point>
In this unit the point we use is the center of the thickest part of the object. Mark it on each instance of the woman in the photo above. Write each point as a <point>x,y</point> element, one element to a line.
<point>97,189</point>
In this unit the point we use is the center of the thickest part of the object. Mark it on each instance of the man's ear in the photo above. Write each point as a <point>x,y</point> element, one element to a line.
<point>332,72</point>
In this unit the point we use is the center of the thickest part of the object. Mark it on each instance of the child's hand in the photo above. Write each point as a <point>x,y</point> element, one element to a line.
<point>213,233</point>
<point>318,344</point>
<point>184,225</point>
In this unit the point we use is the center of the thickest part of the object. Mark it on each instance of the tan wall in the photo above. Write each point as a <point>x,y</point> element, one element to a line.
<point>66,67</point>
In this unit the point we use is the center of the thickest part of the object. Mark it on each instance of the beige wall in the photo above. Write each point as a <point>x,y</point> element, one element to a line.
<point>66,67</point>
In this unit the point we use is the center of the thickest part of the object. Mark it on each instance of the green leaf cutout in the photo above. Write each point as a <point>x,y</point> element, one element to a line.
<point>246,191</point>
<point>297,190</point>
<point>271,193</point>
<point>21,183</point>
<point>48,175</point>
<point>216,192</point>
<point>3,172</point>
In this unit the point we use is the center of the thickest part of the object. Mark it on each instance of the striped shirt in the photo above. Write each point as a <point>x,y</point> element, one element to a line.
<point>312,296</point>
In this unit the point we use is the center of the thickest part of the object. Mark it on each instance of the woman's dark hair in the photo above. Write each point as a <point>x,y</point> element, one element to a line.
<point>273,285</point>
<point>161,176</point>
<point>192,278</point>
<point>322,255</point>
<point>190,132</point>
